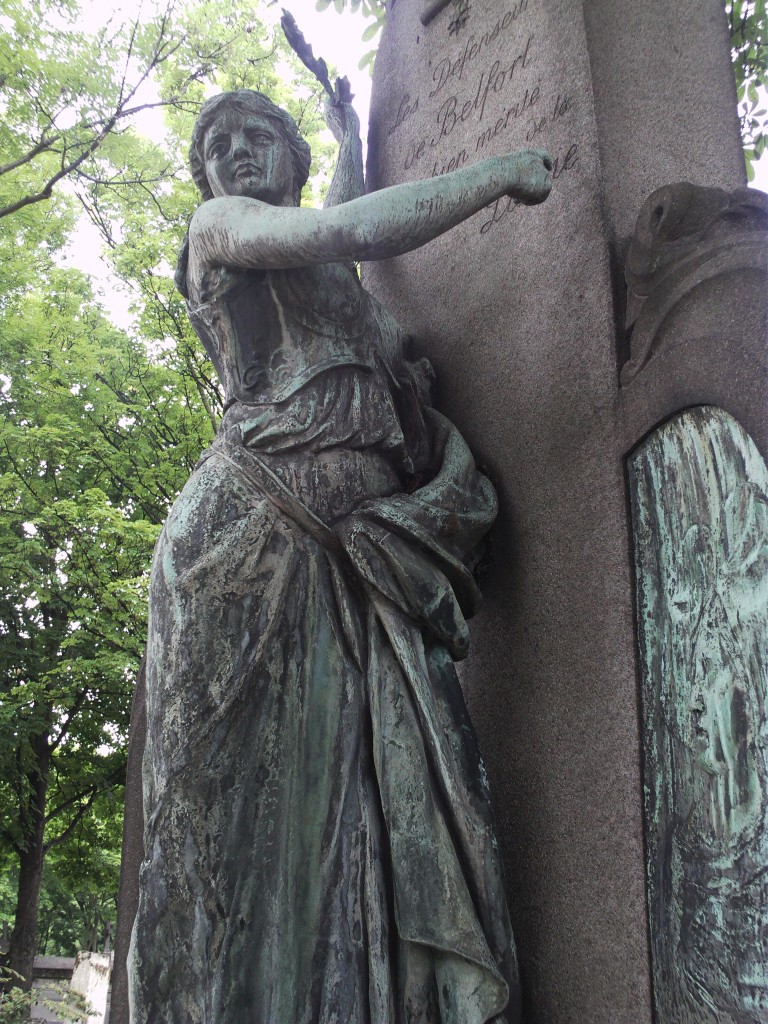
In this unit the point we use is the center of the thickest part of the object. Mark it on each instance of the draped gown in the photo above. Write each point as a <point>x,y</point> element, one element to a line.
<point>318,845</point>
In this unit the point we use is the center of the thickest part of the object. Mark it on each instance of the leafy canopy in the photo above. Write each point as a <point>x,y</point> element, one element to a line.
<point>99,426</point>
<point>748,23</point>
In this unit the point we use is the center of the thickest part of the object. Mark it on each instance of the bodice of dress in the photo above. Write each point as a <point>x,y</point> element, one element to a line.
<point>315,383</point>
<point>270,332</point>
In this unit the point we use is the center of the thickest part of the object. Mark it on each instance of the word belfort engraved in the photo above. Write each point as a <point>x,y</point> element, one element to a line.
<point>467,88</point>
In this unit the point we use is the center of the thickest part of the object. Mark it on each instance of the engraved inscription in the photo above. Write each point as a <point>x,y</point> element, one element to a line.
<point>450,114</point>
<point>456,161</point>
<point>460,19</point>
<point>406,109</point>
<point>490,96</point>
<point>530,98</point>
<point>494,80</point>
<point>449,69</point>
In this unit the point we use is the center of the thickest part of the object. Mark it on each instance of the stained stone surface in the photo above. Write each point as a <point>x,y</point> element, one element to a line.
<point>524,322</point>
<point>700,510</point>
<point>665,101</point>
<point>696,309</point>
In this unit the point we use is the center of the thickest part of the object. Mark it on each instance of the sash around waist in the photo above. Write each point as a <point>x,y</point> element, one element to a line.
<point>328,484</point>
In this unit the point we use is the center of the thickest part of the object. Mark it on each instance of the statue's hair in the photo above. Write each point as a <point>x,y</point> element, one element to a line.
<point>248,101</point>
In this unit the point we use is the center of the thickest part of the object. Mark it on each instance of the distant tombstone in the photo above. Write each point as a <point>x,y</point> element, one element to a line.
<point>700,502</point>
<point>51,978</point>
<point>90,979</point>
<point>525,322</point>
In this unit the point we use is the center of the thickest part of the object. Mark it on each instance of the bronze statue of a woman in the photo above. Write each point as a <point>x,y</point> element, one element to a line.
<point>319,847</point>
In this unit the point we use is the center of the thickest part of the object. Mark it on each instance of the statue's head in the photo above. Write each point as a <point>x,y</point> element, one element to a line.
<point>244,144</point>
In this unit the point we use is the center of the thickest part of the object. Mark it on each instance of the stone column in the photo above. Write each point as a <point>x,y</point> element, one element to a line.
<point>665,101</point>
<point>521,311</point>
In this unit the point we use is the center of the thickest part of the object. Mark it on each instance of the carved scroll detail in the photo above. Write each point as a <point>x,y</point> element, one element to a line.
<point>688,241</point>
<point>700,520</point>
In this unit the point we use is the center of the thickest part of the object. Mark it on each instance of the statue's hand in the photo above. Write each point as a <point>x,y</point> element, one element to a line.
<point>531,173</point>
<point>341,119</point>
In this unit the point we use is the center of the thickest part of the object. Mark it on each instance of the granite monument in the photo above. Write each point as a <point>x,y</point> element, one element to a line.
<point>556,384</point>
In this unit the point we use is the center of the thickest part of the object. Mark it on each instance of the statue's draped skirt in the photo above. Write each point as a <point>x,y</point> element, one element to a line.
<point>318,840</point>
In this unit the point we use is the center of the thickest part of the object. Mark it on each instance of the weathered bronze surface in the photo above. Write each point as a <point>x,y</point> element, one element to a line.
<point>318,842</point>
<point>700,509</point>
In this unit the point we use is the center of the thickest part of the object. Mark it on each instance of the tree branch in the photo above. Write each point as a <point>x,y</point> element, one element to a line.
<point>115,778</point>
<point>64,170</point>
<point>43,145</point>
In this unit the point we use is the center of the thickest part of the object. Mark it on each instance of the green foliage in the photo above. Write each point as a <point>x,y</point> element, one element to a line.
<point>66,115</point>
<point>95,441</point>
<point>99,428</point>
<point>15,1003</point>
<point>78,900</point>
<point>748,23</point>
<point>373,9</point>
<point>60,106</point>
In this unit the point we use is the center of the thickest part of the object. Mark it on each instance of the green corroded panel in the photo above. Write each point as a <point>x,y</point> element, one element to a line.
<point>699,493</point>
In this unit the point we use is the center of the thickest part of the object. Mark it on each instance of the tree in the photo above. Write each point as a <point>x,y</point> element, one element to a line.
<point>99,428</point>
<point>78,905</point>
<point>63,110</point>
<point>748,23</point>
<point>66,115</point>
<point>84,485</point>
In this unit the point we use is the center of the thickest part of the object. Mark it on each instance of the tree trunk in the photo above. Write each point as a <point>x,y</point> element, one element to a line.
<point>23,946</point>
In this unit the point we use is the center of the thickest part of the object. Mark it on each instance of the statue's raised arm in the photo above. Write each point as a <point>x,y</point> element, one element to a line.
<point>348,180</point>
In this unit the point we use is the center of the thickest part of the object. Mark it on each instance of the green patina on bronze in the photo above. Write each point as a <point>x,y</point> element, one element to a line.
<point>699,492</point>
<point>318,844</point>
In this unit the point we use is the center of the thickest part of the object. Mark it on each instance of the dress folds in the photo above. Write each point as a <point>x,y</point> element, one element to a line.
<point>319,847</point>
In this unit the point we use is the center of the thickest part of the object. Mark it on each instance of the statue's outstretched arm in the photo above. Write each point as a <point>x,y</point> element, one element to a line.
<point>240,232</point>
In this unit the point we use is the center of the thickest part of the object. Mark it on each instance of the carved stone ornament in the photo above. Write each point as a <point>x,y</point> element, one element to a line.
<point>697,264</point>
<point>700,516</point>
<point>318,843</point>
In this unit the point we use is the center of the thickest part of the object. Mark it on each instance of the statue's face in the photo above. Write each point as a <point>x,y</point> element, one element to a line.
<point>245,155</point>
